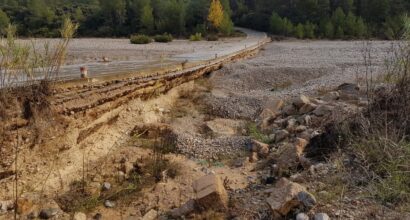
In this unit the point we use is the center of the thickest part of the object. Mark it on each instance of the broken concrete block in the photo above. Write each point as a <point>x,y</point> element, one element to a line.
<point>210,193</point>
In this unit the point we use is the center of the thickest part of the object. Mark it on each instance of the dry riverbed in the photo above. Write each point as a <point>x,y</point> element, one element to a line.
<point>213,123</point>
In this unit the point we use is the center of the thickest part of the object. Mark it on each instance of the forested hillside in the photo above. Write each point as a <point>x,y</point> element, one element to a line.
<point>323,18</point>
<point>298,18</point>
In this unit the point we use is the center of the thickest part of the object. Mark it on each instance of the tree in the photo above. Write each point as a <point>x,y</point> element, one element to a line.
<point>147,18</point>
<point>226,26</point>
<point>287,27</point>
<point>329,30</point>
<point>276,24</point>
<point>338,18</point>
<point>350,25</point>
<point>216,13</point>
<point>360,28</point>
<point>339,32</point>
<point>4,22</point>
<point>299,31</point>
<point>309,30</point>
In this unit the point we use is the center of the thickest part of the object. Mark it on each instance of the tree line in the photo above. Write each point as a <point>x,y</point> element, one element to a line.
<point>109,18</point>
<point>338,19</point>
<point>299,18</point>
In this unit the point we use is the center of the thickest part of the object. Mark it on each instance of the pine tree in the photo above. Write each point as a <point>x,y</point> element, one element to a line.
<point>276,24</point>
<point>287,27</point>
<point>350,25</point>
<point>226,26</point>
<point>216,13</point>
<point>329,30</point>
<point>147,19</point>
<point>299,31</point>
<point>309,30</point>
<point>4,21</point>
<point>360,28</point>
<point>339,32</point>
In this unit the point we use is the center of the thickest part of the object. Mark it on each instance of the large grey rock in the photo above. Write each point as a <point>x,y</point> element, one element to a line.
<point>109,204</point>
<point>302,216</point>
<point>306,108</point>
<point>48,213</point>
<point>322,216</point>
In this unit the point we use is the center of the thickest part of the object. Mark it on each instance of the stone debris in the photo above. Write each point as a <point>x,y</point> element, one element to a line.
<point>286,196</point>
<point>183,210</point>
<point>210,193</point>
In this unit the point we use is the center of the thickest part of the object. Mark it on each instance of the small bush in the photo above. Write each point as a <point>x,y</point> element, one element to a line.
<point>196,37</point>
<point>164,38</point>
<point>140,39</point>
<point>212,37</point>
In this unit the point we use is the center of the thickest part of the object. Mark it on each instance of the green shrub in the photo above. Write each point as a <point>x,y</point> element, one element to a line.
<point>140,39</point>
<point>163,38</point>
<point>212,37</point>
<point>196,37</point>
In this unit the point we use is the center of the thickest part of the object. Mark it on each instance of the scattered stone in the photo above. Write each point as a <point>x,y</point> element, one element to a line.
<point>97,216</point>
<point>291,124</point>
<point>300,128</point>
<point>289,110</point>
<point>79,216</point>
<point>106,186</point>
<point>281,135</point>
<point>109,204</point>
<point>254,157</point>
<point>322,110</point>
<point>151,215</point>
<point>6,205</point>
<point>24,206</point>
<point>300,101</point>
<point>302,216</point>
<point>322,216</point>
<point>210,193</point>
<point>261,148</point>
<point>331,96</point>
<point>289,154</point>
<point>308,200</point>
<point>306,108</point>
<point>185,209</point>
<point>286,196</point>
<point>48,213</point>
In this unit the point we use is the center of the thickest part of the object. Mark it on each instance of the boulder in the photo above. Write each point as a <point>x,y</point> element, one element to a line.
<point>210,193</point>
<point>302,216</point>
<point>322,110</point>
<point>287,196</point>
<point>290,110</point>
<point>49,213</point>
<point>281,135</point>
<point>223,127</point>
<point>306,108</point>
<point>261,148</point>
<point>322,216</point>
<point>151,215</point>
<point>331,96</point>
<point>183,210</point>
<point>79,216</point>
<point>288,156</point>
<point>267,113</point>
<point>300,101</point>
<point>275,105</point>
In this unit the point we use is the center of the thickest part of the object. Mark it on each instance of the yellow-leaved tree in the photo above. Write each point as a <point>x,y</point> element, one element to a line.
<point>216,13</point>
